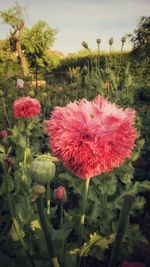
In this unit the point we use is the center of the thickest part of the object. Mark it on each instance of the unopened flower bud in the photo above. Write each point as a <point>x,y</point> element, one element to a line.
<point>31,93</point>
<point>85,45</point>
<point>20,84</point>
<point>60,195</point>
<point>42,170</point>
<point>44,94</point>
<point>85,69</point>
<point>38,190</point>
<point>3,133</point>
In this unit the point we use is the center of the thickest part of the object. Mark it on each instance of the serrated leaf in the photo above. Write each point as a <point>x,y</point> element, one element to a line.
<point>144,185</point>
<point>35,225</point>
<point>95,240</point>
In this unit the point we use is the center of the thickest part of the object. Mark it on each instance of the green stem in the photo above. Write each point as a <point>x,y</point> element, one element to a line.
<point>82,218</point>
<point>5,113</point>
<point>15,223</point>
<point>123,221</point>
<point>48,239</point>
<point>61,215</point>
<point>48,199</point>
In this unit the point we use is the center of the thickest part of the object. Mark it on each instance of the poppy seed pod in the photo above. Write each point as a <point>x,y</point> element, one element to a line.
<point>60,195</point>
<point>42,170</point>
<point>111,41</point>
<point>123,39</point>
<point>98,41</point>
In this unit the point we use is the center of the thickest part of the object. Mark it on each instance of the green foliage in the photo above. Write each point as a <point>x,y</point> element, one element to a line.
<point>141,38</point>
<point>36,41</point>
<point>13,16</point>
<point>95,246</point>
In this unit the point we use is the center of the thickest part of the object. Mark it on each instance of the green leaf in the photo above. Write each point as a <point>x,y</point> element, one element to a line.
<point>15,131</point>
<point>3,156</point>
<point>16,232</point>
<point>95,240</point>
<point>2,149</point>
<point>35,225</point>
<point>22,141</point>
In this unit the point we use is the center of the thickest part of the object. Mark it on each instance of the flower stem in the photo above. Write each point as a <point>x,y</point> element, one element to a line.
<point>15,223</point>
<point>123,221</point>
<point>5,112</point>
<point>48,199</point>
<point>48,239</point>
<point>82,218</point>
<point>61,215</point>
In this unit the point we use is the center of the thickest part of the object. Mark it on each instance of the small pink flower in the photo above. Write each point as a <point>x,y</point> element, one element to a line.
<point>20,84</point>
<point>26,107</point>
<point>60,194</point>
<point>3,133</point>
<point>132,264</point>
<point>91,137</point>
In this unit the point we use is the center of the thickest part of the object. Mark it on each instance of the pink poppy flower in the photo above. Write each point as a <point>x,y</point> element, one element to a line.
<point>3,133</point>
<point>91,137</point>
<point>132,264</point>
<point>26,107</point>
<point>20,84</point>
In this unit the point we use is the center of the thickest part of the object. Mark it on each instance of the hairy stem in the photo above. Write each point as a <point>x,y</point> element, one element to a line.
<point>48,199</point>
<point>82,218</point>
<point>123,221</point>
<point>46,232</point>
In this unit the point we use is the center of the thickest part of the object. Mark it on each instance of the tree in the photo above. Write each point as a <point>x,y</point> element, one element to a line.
<point>8,61</point>
<point>141,38</point>
<point>15,18</point>
<point>36,42</point>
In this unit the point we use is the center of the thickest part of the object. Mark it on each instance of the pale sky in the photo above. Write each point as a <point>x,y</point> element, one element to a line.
<point>83,20</point>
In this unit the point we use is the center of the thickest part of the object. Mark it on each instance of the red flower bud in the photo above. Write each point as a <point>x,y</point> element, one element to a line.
<point>60,195</point>
<point>3,133</point>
